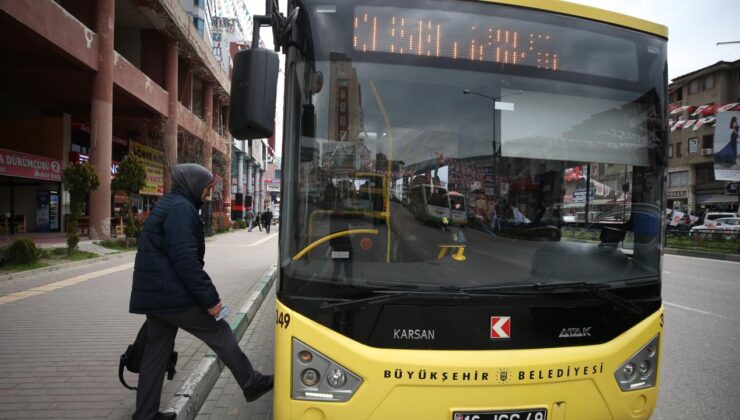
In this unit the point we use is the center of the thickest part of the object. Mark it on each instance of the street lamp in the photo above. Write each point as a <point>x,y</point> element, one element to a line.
<point>493,99</point>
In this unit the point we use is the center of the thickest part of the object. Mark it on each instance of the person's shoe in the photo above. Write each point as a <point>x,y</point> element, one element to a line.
<point>259,389</point>
<point>166,416</point>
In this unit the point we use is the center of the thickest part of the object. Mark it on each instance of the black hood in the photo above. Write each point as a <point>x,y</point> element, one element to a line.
<point>191,179</point>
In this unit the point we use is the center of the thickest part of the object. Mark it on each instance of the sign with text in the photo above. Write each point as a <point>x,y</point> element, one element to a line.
<point>24,165</point>
<point>152,159</point>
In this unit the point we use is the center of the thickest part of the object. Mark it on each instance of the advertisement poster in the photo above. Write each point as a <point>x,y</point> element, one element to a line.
<point>42,211</point>
<point>726,132</point>
<point>54,211</point>
<point>152,159</point>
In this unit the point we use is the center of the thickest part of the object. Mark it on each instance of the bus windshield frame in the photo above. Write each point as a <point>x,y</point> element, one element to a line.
<point>574,171</point>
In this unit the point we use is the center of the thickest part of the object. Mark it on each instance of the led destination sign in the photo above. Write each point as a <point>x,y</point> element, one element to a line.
<point>492,39</point>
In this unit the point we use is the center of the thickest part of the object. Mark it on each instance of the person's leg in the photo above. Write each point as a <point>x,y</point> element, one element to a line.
<point>219,337</point>
<point>159,345</point>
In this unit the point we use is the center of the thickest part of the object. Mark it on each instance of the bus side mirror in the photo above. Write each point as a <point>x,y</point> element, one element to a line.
<point>253,94</point>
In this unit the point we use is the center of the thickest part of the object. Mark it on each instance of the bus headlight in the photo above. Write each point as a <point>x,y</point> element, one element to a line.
<point>639,371</point>
<point>315,377</point>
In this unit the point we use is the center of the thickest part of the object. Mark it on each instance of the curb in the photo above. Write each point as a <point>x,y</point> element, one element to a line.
<point>702,254</point>
<point>28,273</point>
<point>188,400</point>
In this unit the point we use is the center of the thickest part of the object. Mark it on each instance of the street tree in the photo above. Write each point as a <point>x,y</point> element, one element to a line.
<point>79,179</point>
<point>130,179</point>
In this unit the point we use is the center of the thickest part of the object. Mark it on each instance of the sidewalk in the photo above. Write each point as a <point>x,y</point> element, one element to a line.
<point>61,341</point>
<point>225,401</point>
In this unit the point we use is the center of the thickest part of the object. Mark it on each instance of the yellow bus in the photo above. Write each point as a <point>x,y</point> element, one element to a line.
<point>494,100</point>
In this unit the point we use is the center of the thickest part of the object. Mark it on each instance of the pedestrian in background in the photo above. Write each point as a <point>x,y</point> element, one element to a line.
<point>258,220</point>
<point>267,220</point>
<point>173,290</point>
<point>250,218</point>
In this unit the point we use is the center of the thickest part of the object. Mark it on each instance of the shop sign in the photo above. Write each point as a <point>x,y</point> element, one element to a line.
<point>677,194</point>
<point>24,165</point>
<point>76,157</point>
<point>152,159</point>
<point>732,188</point>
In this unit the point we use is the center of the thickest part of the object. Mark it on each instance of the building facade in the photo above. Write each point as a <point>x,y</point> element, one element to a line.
<point>695,100</point>
<point>96,80</point>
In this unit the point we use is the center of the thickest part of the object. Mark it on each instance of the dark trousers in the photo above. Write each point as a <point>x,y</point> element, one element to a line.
<point>267,226</point>
<point>161,332</point>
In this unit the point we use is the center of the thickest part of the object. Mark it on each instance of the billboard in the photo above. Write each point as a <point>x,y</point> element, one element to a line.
<point>152,159</point>
<point>726,132</point>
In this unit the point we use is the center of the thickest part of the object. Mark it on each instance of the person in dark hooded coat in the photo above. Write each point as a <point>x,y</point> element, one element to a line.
<point>173,290</point>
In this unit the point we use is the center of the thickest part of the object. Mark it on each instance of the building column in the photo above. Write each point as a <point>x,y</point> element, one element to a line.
<point>208,119</point>
<point>239,172</point>
<point>227,179</point>
<point>101,121</point>
<point>170,128</point>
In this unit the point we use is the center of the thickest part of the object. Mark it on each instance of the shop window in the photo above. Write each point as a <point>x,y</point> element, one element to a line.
<point>707,142</point>
<point>693,87</point>
<point>709,82</point>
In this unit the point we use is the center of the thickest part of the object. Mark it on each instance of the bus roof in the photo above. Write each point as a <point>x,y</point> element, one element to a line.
<point>589,12</point>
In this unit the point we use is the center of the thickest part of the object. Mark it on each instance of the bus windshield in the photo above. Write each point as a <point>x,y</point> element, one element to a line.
<point>448,165</point>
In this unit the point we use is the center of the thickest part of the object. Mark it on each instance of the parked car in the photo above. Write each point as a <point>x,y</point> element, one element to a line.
<point>711,216</point>
<point>730,225</point>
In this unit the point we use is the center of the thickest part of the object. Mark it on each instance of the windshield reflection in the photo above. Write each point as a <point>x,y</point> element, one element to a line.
<point>403,179</point>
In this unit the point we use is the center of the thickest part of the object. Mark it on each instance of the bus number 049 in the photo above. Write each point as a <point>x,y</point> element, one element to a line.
<point>282,319</point>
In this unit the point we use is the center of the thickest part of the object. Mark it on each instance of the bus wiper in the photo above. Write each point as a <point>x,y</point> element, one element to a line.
<point>596,289</point>
<point>390,296</point>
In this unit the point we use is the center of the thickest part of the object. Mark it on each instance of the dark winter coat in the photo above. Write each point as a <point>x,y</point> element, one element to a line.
<point>168,272</point>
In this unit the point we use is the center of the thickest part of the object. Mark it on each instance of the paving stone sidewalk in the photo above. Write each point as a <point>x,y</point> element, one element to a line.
<point>59,350</point>
<point>226,400</point>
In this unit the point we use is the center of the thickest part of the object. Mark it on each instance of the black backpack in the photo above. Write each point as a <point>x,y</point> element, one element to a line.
<point>131,359</point>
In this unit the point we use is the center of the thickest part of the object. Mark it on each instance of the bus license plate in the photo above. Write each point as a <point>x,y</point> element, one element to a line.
<point>537,414</point>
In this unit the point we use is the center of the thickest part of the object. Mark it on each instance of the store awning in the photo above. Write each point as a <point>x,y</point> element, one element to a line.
<point>716,199</point>
<point>688,124</point>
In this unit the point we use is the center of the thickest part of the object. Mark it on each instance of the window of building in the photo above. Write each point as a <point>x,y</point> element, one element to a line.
<point>670,151</point>
<point>707,142</point>
<point>678,179</point>
<point>679,149</point>
<point>199,25</point>
<point>704,174</point>
<point>709,82</point>
<point>199,4</point>
<point>693,145</point>
<point>693,87</point>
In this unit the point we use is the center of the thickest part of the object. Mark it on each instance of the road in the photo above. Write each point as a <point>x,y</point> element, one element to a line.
<point>700,374</point>
<point>62,332</point>
<point>701,349</point>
